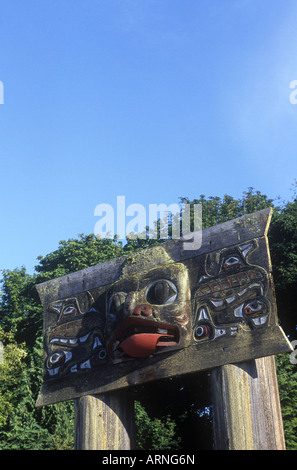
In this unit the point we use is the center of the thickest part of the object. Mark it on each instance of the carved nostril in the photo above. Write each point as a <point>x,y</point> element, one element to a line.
<point>144,310</point>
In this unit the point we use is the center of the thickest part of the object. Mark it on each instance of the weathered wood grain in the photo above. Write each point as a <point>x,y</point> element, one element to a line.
<point>104,422</point>
<point>246,406</point>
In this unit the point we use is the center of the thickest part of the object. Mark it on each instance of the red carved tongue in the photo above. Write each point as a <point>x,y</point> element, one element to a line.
<point>144,344</point>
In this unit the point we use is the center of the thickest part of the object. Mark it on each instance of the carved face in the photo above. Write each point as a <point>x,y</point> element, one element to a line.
<point>149,314</point>
<point>230,292</point>
<point>141,315</point>
<point>76,342</point>
<point>154,312</point>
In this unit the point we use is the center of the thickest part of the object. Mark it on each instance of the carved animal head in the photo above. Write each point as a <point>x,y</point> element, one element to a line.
<point>149,313</point>
<point>152,311</point>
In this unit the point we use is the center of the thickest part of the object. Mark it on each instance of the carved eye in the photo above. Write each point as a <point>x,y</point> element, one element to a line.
<point>161,292</point>
<point>256,306</point>
<point>202,331</point>
<point>231,262</point>
<point>56,359</point>
<point>70,310</point>
<point>116,302</point>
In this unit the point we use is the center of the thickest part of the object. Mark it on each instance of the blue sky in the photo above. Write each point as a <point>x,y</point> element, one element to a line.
<point>150,99</point>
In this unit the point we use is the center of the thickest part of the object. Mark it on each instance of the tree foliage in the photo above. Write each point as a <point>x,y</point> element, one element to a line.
<point>156,433</point>
<point>287,383</point>
<point>181,409</point>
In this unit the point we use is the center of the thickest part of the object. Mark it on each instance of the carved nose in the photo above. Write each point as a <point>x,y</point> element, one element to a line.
<point>144,310</point>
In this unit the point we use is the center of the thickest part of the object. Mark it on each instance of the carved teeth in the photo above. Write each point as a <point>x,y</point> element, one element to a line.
<point>217,303</point>
<point>69,341</point>
<point>54,340</point>
<point>231,299</point>
<point>73,341</point>
<point>260,320</point>
<point>244,291</point>
<point>162,331</point>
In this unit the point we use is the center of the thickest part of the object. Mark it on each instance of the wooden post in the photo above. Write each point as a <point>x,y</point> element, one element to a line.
<point>104,422</point>
<point>246,406</point>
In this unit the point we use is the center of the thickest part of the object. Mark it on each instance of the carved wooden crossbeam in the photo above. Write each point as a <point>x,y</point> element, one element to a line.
<point>161,312</point>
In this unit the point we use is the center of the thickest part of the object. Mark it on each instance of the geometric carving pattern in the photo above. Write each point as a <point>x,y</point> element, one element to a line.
<point>160,312</point>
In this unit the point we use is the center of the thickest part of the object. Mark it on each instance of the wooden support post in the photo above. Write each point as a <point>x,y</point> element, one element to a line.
<point>246,406</point>
<point>104,422</point>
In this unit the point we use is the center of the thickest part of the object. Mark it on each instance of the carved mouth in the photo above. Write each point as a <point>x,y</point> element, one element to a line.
<point>71,341</point>
<point>136,337</point>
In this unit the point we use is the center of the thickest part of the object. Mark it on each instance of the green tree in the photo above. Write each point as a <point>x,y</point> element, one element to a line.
<point>13,300</point>
<point>155,434</point>
<point>76,254</point>
<point>283,247</point>
<point>11,367</point>
<point>287,383</point>
<point>185,399</point>
<point>24,426</point>
<point>216,210</point>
